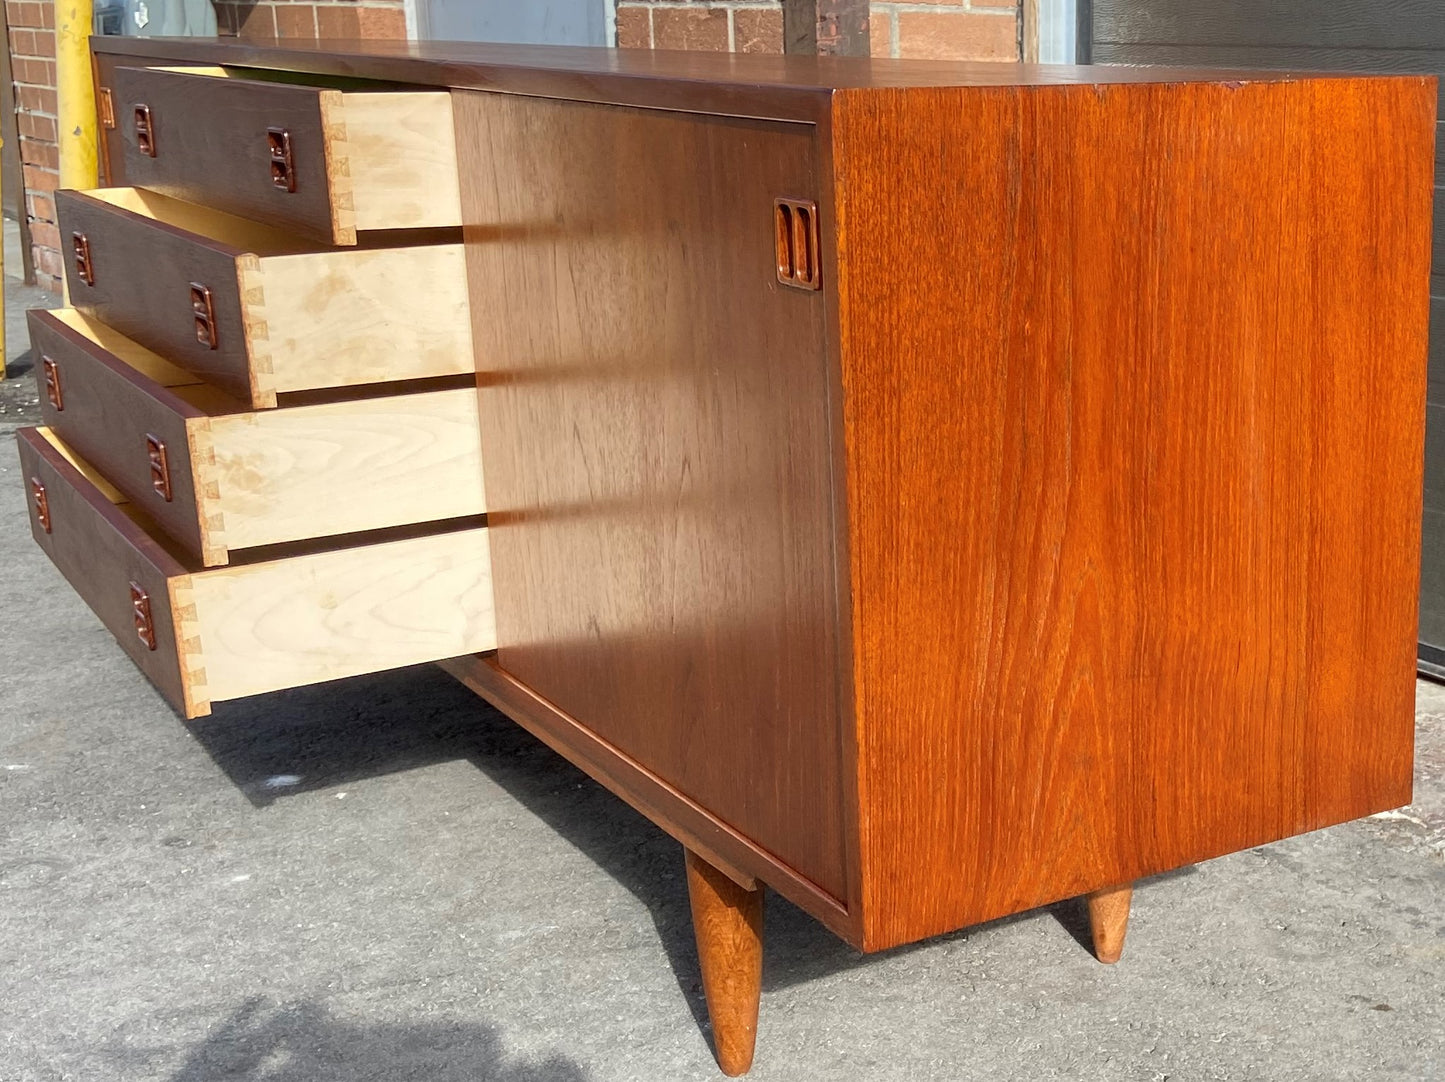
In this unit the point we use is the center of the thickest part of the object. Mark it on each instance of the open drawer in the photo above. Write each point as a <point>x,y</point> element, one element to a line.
<point>289,148</point>
<point>255,311</point>
<point>208,636</point>
<point>217,476</point>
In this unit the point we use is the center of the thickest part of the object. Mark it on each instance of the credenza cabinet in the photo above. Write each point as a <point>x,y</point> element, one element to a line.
<point>929,491</point>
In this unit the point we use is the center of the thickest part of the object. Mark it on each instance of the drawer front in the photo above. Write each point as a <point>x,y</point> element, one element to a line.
<point>230,632</point>
<point>141,277</point>
<point>253,310</point>
<point>217,477</point>
<point>311,158</point>
<point>113,564</point>
<point>125,423</point>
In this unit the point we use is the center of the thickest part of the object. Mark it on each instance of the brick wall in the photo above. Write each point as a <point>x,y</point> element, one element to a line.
<point>322,19</point>
<point>919,29</point>
<point>32,61</point>
<point>945,30</point>
<point>743,26</point>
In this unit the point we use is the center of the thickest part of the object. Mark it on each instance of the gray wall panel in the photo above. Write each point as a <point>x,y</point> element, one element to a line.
<point>1375,24</point>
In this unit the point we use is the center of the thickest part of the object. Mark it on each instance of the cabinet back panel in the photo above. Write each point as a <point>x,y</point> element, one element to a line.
<point>657,450</point>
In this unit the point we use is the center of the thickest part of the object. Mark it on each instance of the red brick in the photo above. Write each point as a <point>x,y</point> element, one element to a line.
<point>758,31</point>
<point>336,22</point>
<point>258,22</point>
<point>26,13</point>
<point>33,42</point>
<point>49,261</point>
<point>40,207</point>
<point>45,234</point>
<point>34,72</point>
<point>956,35</point>
<point>35,126</point>
<point>296,21</point>
<point>880,33</point>
<point>634,28</point>
<point>45,155</point>
<point>39,178</point>
<point>679,28</point>
<point>35,99</point>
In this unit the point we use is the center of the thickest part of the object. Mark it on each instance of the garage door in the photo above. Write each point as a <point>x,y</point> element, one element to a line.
<point>1351,35</point>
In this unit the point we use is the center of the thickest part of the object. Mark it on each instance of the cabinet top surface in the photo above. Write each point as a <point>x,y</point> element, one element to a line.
<point>595,73</point>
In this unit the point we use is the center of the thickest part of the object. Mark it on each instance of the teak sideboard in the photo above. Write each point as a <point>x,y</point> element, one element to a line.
<point>929,491</point>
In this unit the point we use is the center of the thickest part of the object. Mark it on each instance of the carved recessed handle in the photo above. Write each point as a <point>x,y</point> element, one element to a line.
<point>42,503</point>
<point>204,314</point>
<point>50,373</point>
<point>84,267</point>
<point>105,106</point>
<point>283,168</point>
<point>140,607</point>
<point>160,466</point>
<point>795,229</point>
<point>145,136</point>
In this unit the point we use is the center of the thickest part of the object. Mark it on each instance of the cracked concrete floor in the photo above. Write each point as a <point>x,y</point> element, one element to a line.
<point>382,879</point>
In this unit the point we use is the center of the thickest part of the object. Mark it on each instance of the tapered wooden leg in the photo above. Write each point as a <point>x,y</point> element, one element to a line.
<point>728,922</point>
<point>1109,918</point>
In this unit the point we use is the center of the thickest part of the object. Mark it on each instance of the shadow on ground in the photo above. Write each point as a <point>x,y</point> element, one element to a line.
<point>336,734</point>
<point>303,1042</point>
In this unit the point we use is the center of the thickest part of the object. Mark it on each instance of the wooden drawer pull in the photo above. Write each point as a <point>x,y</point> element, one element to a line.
<point>51,375</point>
<point>42,503</point>
<point>795,225</point>
<point>205,315</point>
<point>140,605</point>
<point>283,168</point>
<point>84,268</point>
<point>145,137</point>
<point>160,466</point>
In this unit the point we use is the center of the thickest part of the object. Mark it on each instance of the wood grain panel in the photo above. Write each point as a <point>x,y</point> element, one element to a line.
<point>342,612</point>
<point>1128,590</point>
<point>656,444</point>
<point>347,466</point>
<point>210,145</point>
<point>1294,58</point>
<point>792,87</point>
<point>358,315</point>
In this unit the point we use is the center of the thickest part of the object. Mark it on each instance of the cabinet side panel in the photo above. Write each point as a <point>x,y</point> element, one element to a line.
<point>656,444</point>
<point>1134,383</point>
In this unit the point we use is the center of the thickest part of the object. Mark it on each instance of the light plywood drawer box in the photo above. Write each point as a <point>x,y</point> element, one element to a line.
<point>217,476</point>
<point>254,311</point>
<point>205,636</point>
<point>289,149</point>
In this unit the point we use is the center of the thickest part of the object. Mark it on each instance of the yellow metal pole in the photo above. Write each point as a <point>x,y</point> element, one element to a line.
<point>75,91</point>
